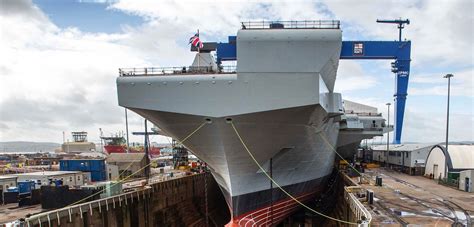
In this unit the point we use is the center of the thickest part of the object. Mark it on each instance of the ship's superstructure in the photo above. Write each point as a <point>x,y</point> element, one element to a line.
<point>280,99</point>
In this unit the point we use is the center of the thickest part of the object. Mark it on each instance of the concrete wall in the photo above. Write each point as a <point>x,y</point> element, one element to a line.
<point>77,147</point>
<point>178,202</point>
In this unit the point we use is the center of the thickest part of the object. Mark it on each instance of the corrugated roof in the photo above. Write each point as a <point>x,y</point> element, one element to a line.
<point>125,157</point>
<point>6,177</point>
<point>47,173</point>
<point>355,107</point>
<point>462,156</point>
<point>403,147</point>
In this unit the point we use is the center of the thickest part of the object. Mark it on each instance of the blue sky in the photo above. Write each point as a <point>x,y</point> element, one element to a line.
<point>87,16</point>
<point>80,44</point>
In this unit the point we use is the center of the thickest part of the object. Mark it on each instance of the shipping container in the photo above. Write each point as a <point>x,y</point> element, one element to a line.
<point>95,166</point>
<point>98,176</point>
<point>25,187</point>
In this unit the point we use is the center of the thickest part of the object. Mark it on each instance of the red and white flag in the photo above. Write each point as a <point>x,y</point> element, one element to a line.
<point>195,41</point>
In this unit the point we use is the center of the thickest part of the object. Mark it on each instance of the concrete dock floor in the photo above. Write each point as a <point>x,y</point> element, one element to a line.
<point>10,212</point>
<point>415,200</point>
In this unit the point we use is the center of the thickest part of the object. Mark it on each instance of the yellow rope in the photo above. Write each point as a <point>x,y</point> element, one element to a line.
<point>283,190</point>
<point>324,137</point>
<point>120,181</point>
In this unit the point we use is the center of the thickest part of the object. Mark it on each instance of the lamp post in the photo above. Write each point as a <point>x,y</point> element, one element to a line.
<point>126,129</point>
<point>447,126</point>
<point>388,125</point>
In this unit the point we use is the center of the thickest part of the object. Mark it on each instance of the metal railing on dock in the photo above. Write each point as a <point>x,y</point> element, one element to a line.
<point>163,71</point>
<point>88,207</point>
<point>304,24</point>
<point>99,205</point>
<point>355,205</point>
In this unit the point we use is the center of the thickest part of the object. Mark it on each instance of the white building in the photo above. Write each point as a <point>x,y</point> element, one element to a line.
<point>7,181</point>
<point>465,180</point>
<point>112,172</point>
<point>460,158</point>
<point>70,178</point>
<point>409,158</point>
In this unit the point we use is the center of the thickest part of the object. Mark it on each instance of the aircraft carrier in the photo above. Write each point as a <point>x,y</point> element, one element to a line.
<point>280,98</point>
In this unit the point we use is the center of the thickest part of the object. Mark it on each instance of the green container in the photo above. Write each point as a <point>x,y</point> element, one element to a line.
<point>453,176</point>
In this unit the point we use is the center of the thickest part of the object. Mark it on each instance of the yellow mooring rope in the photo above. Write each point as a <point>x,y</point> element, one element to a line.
<point>324,137</point>
<point>283,190</point>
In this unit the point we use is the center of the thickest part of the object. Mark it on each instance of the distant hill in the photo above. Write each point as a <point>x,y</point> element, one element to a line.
<point>23,146</point>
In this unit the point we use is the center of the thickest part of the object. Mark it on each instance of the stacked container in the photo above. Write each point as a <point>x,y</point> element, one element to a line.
<point>95,166</point>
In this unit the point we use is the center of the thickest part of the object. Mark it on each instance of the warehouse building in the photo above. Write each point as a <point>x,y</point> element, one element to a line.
<point>407,158</point>
<point>128,163</point>
<point>460,158</point>
<point>48,178</point>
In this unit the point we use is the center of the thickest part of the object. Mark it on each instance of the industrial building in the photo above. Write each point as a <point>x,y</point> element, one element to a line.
<point>79,144</point>
<point>460,158</point>
<point>408,158</point>
<point>7,181</point>
<point>70,178</point>
<point>96,167</point>
<point>128,163</point>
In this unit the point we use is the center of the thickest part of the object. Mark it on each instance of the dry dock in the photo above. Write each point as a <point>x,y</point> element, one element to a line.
<point>415,200</point>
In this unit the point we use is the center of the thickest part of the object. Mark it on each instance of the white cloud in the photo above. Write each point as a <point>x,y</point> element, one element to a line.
<point>351,77</point>
<point>63,79</point>
<point>462,84</point>
<point>422,126</point>
<point>441,31</point>
<point>56,80</point>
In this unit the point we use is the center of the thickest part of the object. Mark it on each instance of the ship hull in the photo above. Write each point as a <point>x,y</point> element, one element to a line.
<point>280,207</point>
<point>299,141</point>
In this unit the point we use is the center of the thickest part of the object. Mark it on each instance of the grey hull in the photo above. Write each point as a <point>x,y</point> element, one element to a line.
<point>300,148</point>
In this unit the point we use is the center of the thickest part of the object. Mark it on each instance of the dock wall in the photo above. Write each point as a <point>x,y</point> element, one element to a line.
<point>177,202</point>
<point>349,207</point>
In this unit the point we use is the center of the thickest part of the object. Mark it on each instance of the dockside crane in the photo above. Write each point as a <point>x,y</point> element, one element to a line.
<point>400,23</point>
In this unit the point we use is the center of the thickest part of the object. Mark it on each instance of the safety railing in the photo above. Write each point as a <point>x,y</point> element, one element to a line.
<point>87,208</point>
<point>359,210</point>
<point>304,24</point>
<point>163,71</point>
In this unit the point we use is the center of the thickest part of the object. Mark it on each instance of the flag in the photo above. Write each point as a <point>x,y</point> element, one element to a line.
<point>195,41</point>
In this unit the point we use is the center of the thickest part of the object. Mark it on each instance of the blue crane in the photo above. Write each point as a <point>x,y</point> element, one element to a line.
<point>399,51</point>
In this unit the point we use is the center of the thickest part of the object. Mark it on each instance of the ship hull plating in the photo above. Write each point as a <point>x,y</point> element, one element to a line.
<point>299,140</point>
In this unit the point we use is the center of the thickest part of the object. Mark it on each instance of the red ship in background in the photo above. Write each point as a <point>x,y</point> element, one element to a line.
<point>118,144</point>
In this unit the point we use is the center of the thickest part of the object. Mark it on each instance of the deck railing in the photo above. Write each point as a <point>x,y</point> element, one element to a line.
<point>163,71</point>
<point>359,210</point>
<point>304,24</point>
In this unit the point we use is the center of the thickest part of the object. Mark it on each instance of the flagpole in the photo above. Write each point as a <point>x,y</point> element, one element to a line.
<point>199,53</point>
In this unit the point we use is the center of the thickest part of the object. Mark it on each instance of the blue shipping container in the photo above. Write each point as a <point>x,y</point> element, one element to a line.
<point>95,166</point>
<point>82,165</point>
<point>98,176</point>
<point>25,187</point>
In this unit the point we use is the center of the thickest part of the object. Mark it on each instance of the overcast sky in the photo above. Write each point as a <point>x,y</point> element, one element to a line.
<point>60,59</point>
